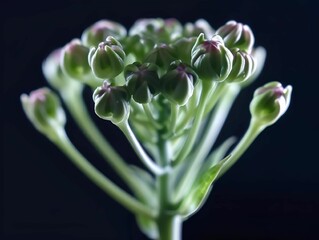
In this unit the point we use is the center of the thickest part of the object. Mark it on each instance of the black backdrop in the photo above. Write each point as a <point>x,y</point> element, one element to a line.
<point>272,193</point>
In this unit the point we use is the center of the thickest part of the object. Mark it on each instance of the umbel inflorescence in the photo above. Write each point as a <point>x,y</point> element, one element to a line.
<point>169,88</point>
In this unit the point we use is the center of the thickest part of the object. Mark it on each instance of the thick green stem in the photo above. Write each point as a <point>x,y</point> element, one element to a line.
<point>169,224</point>
<point>129,202</point>
<point>170,227</point>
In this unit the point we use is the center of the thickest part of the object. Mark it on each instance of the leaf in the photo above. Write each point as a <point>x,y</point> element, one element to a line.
<point>201,189</point>
<point>147,226</point>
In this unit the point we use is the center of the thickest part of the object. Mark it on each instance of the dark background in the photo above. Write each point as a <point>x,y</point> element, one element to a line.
<point>272,193</point>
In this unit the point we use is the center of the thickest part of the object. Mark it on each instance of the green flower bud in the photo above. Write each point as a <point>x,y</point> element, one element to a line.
<point>162,55</point>
<point>158,29</point>
<point>112,103</point>
<point>107,61</point>
<point>237,35</point>
<point>211,60</point>
<point>270,102</point>
<point>178,83</point>
<point>200,26</point>
<point>142,81</point>
<point>243,66</point>
<point>44,110</point>
<point>52,70</point>
<point>259,56</point>
<point>183,48</point>
<point>100,30</point>
<point>74,60</point>
<point>138,46</point>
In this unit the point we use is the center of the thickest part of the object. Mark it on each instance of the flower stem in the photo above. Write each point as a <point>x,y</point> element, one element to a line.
<point>169,224</point>
<point>129,202</point>
<point>252,132</point>
<point>206,142</point>
<point>76,107</point>
<point>149,113</point>
<point>207,89</point>
<point>147,161</point>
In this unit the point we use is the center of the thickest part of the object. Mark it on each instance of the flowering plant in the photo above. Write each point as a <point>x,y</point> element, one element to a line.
<point>169,88</point>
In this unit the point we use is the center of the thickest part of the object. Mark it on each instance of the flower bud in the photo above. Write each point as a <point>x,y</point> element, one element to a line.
<point>243,66</point>
<point>74,60</point>
<point>200,26</point>
<point>211,60</point>
<point>237,35</point>
<point>138,46</point>
<point>107,61</point>
<point>270,102</point>
<point>157,29</point>
<point>52,70</point>
<point>183,48</point>
<point>100,30</point>
<point>43,108</point>
<point>142,81</point>
<point>112,103</point>
<point>259,56</point>
<point>162,55</point>
<point>178,83</point>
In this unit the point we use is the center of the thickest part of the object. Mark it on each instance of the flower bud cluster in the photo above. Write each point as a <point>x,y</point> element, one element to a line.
<point>155,56</point>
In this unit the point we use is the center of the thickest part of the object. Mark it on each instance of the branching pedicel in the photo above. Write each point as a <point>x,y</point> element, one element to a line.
<point>169,88</point>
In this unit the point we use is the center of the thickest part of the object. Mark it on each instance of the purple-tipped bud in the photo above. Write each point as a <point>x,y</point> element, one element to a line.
<point>211,60</point>
<point>112,103</point>
<point>100,30</point>
<point>237,35</point>
<point>178,83</point>
<point>44,110</point>
<point>74,60</point>
<point>107,60</point>
<point>243,68</point>
<point>142,81</point>
<point>270,102</point>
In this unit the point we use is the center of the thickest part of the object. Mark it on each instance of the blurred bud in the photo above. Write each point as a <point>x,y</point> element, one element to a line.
<point>112,103</point>
<point>237,35</point>
<point>200,26</point>
<point>162,55</point>
<point>52,70</point>
<point>173,29</point>
<point>183,48</point>
<point>243,66</point>
<point>259,56</point>
<point>74,60</point>
<point>270,102</point>
<point>142,81</point>
<point>158,29</point>
<point>211,60</point>
<point>178,83</point>
<point>138,46</point>
<point>100,30</point>
<point>107,61</point>
<point>44,110</point>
